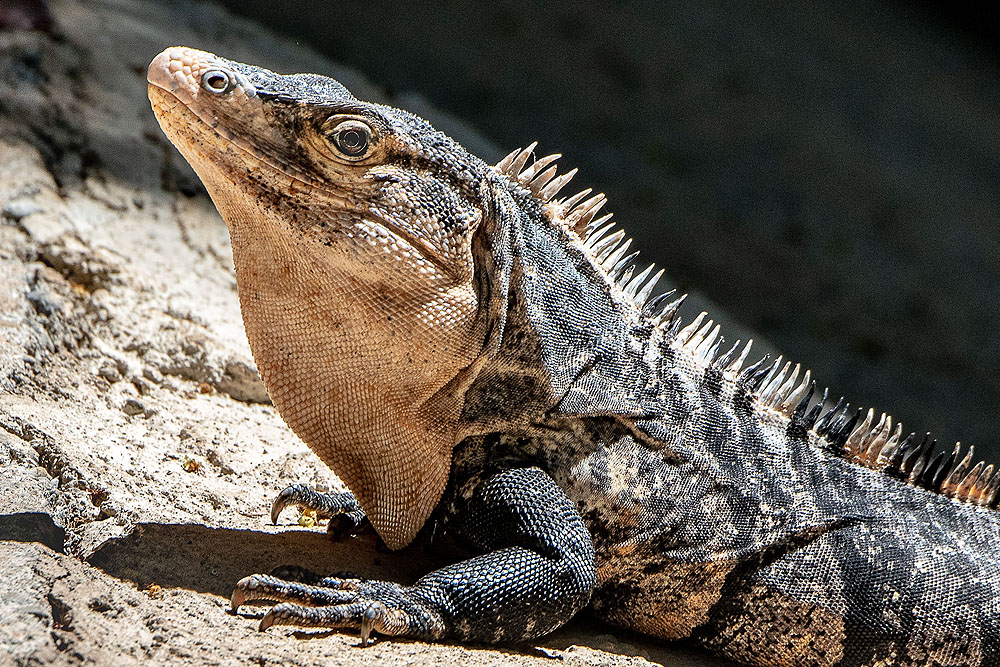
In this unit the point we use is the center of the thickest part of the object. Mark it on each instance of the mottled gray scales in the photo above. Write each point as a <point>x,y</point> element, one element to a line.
<point>470,348</point>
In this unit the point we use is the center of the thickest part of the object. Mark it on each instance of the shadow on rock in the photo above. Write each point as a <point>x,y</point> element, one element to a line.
<point>32,527</point>
<point>212,560</point>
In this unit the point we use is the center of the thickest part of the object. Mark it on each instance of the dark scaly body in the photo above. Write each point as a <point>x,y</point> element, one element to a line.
<point>717,517</point>
<point>718,503</point>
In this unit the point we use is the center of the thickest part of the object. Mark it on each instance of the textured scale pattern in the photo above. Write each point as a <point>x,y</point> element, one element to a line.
<point>468,349</point>
<point>781,389</point>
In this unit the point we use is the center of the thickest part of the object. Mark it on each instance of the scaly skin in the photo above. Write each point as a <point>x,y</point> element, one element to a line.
<point>464,348</point>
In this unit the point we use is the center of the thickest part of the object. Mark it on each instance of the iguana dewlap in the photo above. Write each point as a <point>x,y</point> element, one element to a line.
<point>462,345</point>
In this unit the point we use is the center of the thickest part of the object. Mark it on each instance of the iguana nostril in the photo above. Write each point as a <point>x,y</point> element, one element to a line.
<point>216,81</point>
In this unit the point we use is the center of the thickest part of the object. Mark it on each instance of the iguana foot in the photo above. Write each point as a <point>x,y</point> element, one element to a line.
<point>380,606</point>
<point>342,509</point>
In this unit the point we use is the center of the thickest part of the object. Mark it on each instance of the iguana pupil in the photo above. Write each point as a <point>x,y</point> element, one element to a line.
<point>351,138</point>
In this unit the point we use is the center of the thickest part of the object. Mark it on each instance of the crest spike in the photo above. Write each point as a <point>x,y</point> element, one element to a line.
<point>633,285</point>
<point>556,184</point>
<point>536,167</point>
<point>899,456</point>
<point>752,370</point>
<point>705,347</point>
<point>504,164</point>
<point>595,224</point>
<point>685,334</point>
<point>541,180</point>
<point>521,157</point>
<point>652,305</point>
<point>827,419</point>
<point>622,263</point>
<point>642,293</point>
<point>965,486</point>
<point>736,365</point>
<point>596,235</point>
<point>796,393</point>
<point>584,212</point>
<point>605,245</point>
<point>809,420</point>
<point>699,336</point>
<point>612,256</point>
<point>757,373</point>
<point>786,388</point>
<point>798,413</point>
<point>624,273</point>
<point>570,202</point>
<point>670,311</point>
<point>774,379</point>
<point>722,362</point>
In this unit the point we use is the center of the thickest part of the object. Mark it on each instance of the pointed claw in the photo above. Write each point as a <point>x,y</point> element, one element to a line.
<point>281,502</point>
<point>287,614</point>
<point>368,623</point>
<point>294,495</point>
<point>238,598</point>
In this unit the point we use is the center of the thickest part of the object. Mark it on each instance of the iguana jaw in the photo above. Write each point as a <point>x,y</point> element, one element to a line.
<point>363,333</point>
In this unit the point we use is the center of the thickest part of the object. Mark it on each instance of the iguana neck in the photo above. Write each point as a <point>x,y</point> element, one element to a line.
<point>315,355</point>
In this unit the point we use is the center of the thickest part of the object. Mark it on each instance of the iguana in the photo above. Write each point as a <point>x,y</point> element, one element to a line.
<point>469,350</point>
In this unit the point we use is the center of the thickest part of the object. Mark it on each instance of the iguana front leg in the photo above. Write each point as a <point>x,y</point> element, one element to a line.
<point>536,571</point>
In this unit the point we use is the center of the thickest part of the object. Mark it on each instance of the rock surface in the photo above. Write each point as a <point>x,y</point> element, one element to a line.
<point>138,449</point>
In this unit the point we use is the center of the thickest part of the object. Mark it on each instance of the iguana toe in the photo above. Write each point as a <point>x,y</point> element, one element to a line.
<point>267,587</point>
<point>326,505</point>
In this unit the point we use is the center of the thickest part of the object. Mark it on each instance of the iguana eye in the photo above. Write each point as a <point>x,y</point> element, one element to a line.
<point>216,81</point>
<point>352,138</point>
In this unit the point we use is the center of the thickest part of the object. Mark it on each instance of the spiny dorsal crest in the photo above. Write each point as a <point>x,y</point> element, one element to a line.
<point>879,446</point>
<point>774,386</point>
<point>778,387</point>
<point>579,214</point>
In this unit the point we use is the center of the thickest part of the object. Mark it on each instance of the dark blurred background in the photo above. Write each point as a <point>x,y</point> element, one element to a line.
<point>827,172</point>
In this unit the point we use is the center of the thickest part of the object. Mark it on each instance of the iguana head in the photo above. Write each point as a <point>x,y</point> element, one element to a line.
<point>351,226</point>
